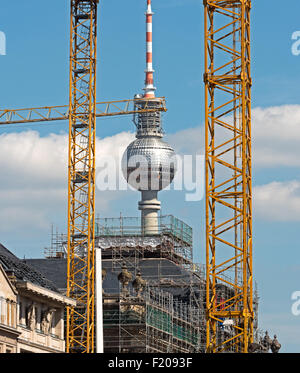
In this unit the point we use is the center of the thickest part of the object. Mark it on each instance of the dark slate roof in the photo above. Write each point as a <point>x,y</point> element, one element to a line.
<point>53,269</point>
<point>22,270</point>
<point>56,271</point>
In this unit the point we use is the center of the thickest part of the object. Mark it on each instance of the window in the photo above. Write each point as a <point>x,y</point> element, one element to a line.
<point>26,316</point>
<point>30,316</point>
<point>20,312</point>
<point>37,318</point>
<point>8,312</point>
<point>55,323</point>
<point>3,311</point>
<point>11,313</point>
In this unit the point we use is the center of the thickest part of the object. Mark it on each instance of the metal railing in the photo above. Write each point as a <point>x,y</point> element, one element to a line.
<point>132,226</point>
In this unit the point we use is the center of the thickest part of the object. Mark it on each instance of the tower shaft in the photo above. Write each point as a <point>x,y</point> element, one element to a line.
<point>81,176</point>
<point>228,174</point>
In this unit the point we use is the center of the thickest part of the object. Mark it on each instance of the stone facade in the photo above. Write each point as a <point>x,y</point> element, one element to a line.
<point>31,316</point>
<point>8,311</point>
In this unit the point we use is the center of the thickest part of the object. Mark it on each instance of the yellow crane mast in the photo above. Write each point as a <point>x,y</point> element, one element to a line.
<point>81,113</point>
<point>81,181</point>
<point>228,83</point>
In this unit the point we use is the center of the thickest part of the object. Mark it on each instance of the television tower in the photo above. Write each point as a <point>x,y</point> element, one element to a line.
<point>149,163</point>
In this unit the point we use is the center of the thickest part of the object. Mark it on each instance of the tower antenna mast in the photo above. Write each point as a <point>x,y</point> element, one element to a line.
<point>149,87</point>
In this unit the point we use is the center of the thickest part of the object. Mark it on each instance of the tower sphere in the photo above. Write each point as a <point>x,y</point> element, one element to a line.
<point>149,163</point>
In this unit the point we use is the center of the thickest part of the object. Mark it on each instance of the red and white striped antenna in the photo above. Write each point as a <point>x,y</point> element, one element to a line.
<point>149,88</point>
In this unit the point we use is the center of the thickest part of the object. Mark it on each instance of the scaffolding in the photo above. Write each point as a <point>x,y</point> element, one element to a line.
<point>172,326</point>
<point>123,239</point>
<point>58,246</point>
<point>132,226</point>
<point>169,316</point>
<point>156,322</point>
<point>174,238</point>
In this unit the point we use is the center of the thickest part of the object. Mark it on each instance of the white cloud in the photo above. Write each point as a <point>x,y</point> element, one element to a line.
<point>277,201</point>
<point>28,159</point>
<point>275,137</point>
<point>33,189</point>
<point>33,186</point>
<point>188,141</point>
<point>275,144</point>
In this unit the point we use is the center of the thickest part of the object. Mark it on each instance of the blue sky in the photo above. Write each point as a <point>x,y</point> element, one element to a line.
<point>35,73</point>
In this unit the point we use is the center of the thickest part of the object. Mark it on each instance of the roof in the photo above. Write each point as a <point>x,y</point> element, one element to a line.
<point>24,271</point>
<point>53,269</point>
<point>151,269</point>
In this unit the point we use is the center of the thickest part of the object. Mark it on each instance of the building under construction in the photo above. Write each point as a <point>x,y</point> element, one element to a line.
<point>154,295</point>
<point>153,292</point>
<point>155,298</point>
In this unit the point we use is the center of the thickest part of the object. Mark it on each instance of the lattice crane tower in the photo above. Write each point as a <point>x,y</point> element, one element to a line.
<point>228,175</point>
<point>81,180</point>
<point>82,112</point>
